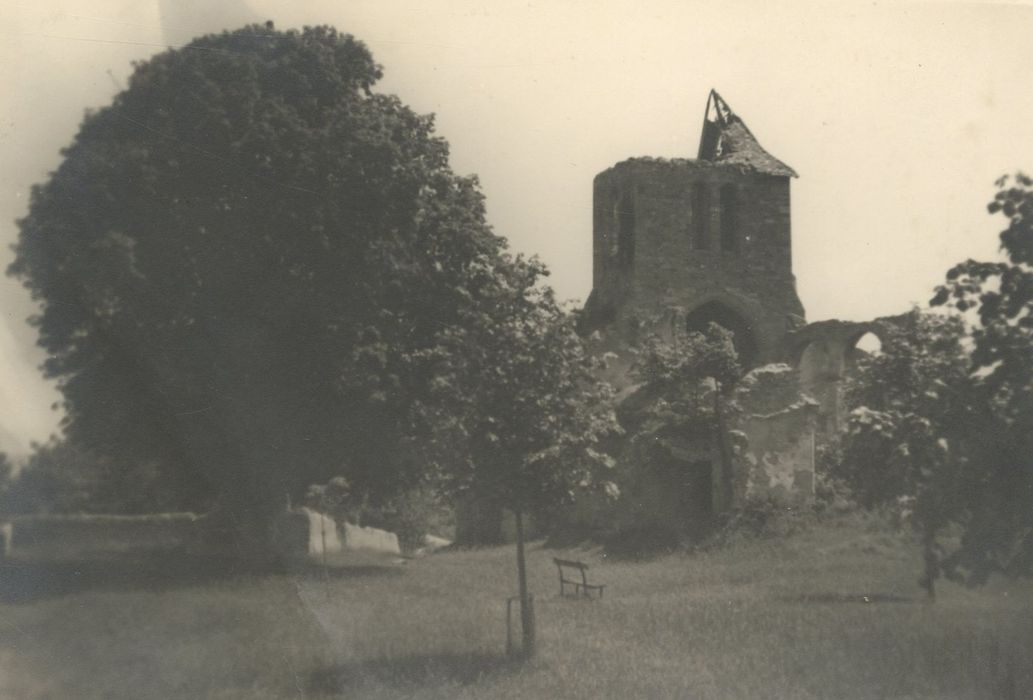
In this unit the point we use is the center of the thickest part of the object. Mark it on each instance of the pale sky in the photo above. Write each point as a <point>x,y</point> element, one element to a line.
<point>898,117</point>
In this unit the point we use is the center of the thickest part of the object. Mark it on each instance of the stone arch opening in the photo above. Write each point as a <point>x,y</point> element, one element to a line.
<point>828,355</point>
<point>726,317</point>
<point>870,343</point>
<point>863,345</point>
<point>821,371</point>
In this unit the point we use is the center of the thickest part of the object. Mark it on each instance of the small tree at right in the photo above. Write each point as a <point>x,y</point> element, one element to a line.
<point>998,489</point>
<point>907,442</point>
<point>944,419</point>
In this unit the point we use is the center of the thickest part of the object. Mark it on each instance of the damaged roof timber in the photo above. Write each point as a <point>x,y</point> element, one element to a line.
<point>726,140</point>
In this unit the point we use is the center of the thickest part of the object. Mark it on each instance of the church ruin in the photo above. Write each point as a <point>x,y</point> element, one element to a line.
<point>680,243</point>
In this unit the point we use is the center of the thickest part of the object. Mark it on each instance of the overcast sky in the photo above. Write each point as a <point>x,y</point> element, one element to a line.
<point>897,116</point>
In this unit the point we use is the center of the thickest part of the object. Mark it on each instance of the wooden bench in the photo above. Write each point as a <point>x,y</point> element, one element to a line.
<point>582,587</point>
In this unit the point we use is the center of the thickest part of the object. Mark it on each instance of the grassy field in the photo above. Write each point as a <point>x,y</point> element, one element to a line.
<point>831,613</point>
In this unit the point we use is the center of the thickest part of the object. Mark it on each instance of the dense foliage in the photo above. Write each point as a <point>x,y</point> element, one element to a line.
<point>513,416</point>
<point>943,424</point>
<point>688,388</point>
<point>61,477</point>
<point>999,530</point>
<point>226,250</point>
<point>516,416</point>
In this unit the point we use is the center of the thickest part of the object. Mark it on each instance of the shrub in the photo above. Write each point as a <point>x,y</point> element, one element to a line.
<point>763,517</point>
<point>411,515</point>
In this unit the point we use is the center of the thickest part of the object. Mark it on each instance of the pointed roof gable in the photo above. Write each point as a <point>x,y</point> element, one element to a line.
<point>727,140</point>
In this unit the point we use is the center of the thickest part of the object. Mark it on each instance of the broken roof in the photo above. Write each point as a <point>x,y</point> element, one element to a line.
<point>726,140</point>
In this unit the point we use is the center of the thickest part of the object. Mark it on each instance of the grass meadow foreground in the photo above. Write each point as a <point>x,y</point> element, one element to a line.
<point>831,613</point>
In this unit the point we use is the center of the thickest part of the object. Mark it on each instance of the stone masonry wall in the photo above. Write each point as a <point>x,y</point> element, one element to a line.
<point>670,269</point>
<point>781,455</point>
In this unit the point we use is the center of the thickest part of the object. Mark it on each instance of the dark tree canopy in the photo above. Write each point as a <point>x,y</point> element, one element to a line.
<point>60,477</point>
<point>999,530</point>
<point>944,417</point>
<point>515,416</point>
<point>223,241</point>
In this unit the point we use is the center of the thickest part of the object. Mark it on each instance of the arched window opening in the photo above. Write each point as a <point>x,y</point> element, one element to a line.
<point>626,232</point>
<point>700,217</point>
<point>742,333</point>
<point>729,219</point>
<point>817,363</point>
<point>867,345</point>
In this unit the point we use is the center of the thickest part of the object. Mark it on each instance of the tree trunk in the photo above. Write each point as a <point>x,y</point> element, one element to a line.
<point>526,611</point>
<point>932,562</point>
<point>326,569</point>
<point>478,520</point>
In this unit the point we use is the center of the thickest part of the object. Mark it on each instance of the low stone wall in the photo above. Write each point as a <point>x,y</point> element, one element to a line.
<point>91,535</point>
<point>303,531</point>
<point>432,543</point>
<point>780,426</point>
<point>781,454</point>
<point>307,532</point>
<point>369,539</point>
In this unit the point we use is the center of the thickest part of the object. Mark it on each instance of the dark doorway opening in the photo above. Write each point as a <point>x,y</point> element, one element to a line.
<point>697,494</point>
<point>690,485</point>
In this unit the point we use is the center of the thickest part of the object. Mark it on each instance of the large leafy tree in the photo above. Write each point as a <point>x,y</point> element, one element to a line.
<point>226,250</point>
<point>999,295</point>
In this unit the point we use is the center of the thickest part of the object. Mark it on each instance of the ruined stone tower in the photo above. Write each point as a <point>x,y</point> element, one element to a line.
<point>687,242</point>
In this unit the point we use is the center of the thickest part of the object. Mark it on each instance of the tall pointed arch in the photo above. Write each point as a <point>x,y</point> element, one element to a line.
<point>728,318</point>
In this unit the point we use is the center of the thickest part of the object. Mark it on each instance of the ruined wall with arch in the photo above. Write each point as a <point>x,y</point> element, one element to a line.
<point>825,353</point>
<point>681,243</point>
